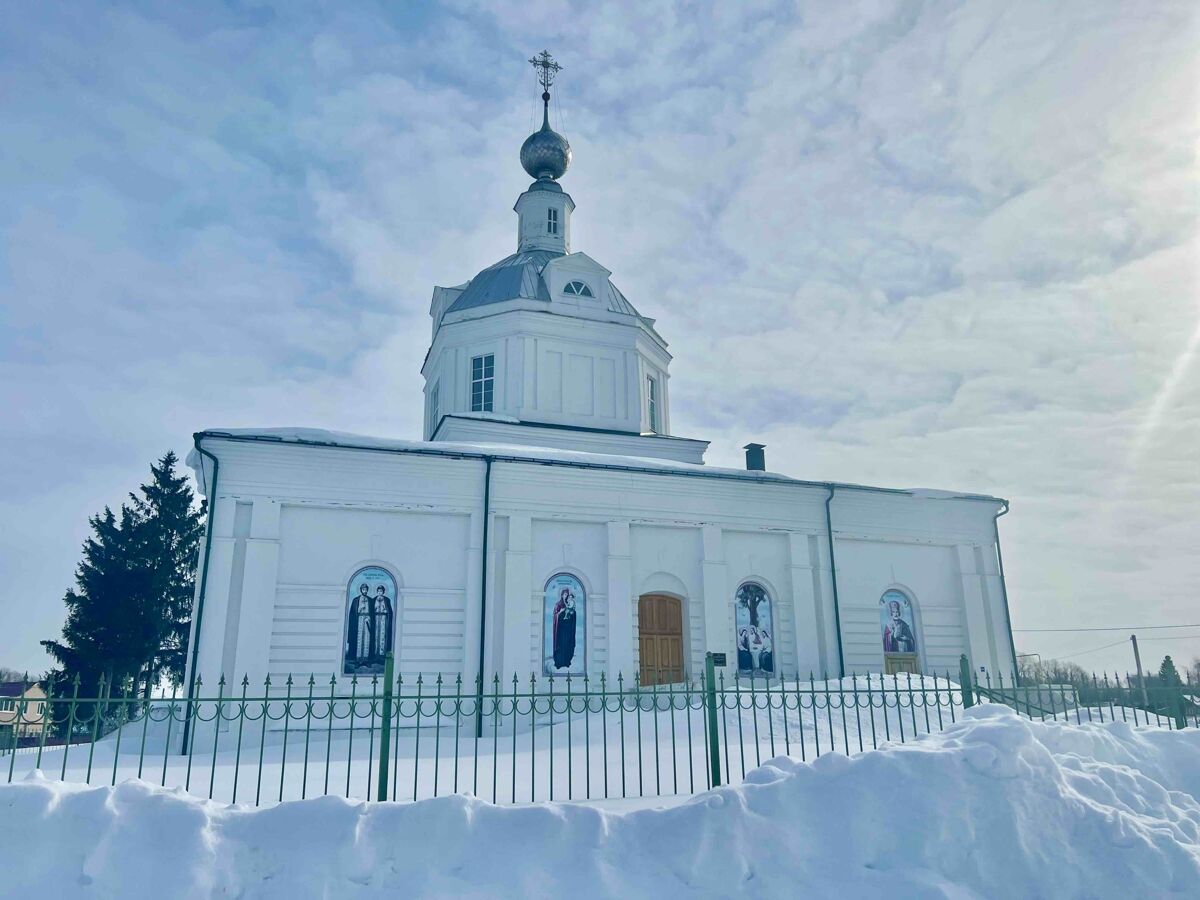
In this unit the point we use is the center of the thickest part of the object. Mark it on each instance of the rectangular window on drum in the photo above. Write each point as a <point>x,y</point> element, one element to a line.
<point>433,408</point>
<point>652,402</point>
<point>483,382</point>
<point>552,221</point>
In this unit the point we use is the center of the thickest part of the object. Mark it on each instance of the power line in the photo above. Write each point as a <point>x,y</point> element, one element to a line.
<point>1174,637</point>
<point>1093,650</point>
<point>1111,628</point>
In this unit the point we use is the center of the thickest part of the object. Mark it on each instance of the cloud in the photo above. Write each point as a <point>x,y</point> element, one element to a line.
<point>940,244</point>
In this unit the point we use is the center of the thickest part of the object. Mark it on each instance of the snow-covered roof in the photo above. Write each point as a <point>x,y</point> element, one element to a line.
<point>319,437</point>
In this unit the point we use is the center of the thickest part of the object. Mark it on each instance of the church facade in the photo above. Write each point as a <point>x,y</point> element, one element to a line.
<point>549,522</point>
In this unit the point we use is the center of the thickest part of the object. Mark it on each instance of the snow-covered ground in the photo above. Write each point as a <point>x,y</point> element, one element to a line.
<point>993,806</point>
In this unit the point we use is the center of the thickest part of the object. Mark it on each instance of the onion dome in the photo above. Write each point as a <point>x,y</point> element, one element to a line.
<point>546,153</point>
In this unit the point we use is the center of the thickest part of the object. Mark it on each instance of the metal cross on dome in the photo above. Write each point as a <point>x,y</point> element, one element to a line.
<point>547,68</point>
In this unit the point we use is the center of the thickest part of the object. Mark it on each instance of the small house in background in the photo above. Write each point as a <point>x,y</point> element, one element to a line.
<point>22,711</point>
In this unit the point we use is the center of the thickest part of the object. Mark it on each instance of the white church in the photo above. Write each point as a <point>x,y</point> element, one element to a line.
<point>551,523</point>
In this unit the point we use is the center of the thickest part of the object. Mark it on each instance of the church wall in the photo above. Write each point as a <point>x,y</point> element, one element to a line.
<point>317,514</point>
<point>316,517</point>
<point>762,557</point>
<point>667,560</point>
<point>579,549</point>
<point>928,574</point>
<point>322,548</point>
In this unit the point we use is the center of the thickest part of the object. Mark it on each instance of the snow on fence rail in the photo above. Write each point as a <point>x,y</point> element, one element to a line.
<point>521,741</point>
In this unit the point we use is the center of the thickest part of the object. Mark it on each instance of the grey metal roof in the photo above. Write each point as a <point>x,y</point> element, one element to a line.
<point>618,303</point>
<point>514,277</point>
<point>519,277</point>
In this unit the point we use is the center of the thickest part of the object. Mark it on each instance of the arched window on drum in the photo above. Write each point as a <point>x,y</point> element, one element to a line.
<point>370,621</point>
<point>755,630</point>
<point>898,631</point>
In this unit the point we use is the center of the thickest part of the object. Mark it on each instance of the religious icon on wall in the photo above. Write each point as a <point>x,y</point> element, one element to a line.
<point>564,630</point>
<point>896,620</point>
<point>755,631</point>
<point>370,621</point>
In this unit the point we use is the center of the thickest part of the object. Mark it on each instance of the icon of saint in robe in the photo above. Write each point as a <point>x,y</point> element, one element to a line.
<point>381,625</point>
<point>897,636</point>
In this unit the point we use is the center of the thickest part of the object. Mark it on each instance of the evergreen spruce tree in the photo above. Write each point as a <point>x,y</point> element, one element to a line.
<point>173,533</point>
<point>1168,675</point>
<point>129,612</point>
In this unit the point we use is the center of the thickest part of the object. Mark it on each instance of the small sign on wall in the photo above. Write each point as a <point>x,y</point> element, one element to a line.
<point>719,660</point>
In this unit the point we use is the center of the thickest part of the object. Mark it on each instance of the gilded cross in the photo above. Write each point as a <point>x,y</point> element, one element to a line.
<point>547,68</point>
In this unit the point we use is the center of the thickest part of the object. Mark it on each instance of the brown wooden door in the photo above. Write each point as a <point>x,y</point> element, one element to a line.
<point>899,663</point>
<point>660,639</point>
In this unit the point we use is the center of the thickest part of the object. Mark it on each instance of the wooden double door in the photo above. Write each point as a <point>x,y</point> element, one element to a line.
<point>660,639</point>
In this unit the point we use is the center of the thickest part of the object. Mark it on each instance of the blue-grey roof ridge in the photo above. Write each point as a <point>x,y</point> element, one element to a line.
<point>519,277</point>
<point>515,277</point>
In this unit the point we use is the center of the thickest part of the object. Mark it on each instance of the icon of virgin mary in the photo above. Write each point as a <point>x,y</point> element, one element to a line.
<point>565,619</point>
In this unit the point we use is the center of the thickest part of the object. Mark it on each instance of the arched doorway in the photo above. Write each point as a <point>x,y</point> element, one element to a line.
<point>660,639</point>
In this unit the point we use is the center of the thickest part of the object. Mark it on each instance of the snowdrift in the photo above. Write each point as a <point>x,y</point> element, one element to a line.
<point>995,806</point>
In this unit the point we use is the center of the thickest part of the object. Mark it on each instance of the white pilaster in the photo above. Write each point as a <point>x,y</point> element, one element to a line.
<point>804,603</point>
<point>980,640</point>
<point>718,605</point>
<point>518,597</point>
<point>993,597</point>
<point>621,636</point>
<point>471,632</point>
<point>216,594</point>
<point>259,579</point>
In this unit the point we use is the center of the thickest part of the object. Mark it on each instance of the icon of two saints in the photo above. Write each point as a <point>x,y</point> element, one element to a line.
<point>369,631</point>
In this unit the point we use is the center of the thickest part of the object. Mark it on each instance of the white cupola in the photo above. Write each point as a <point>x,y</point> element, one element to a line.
<point>544,217</point>
<point>541,347</point>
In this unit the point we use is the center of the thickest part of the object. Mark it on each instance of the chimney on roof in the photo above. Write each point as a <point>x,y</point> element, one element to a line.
<point>756,460</point>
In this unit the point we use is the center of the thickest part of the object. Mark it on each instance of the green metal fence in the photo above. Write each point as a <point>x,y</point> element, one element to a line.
<point>521,740</point>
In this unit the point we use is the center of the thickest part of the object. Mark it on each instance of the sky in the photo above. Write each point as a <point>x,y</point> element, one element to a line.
<point>934,244</point>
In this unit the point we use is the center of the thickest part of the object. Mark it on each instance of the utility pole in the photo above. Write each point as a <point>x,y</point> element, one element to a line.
<point>1137,658</point>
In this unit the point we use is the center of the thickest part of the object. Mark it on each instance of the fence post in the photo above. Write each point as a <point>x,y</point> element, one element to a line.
<point>964,678</point>
<point>710,690</point>
<point>385,732</point>
<point>1180,708</point>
